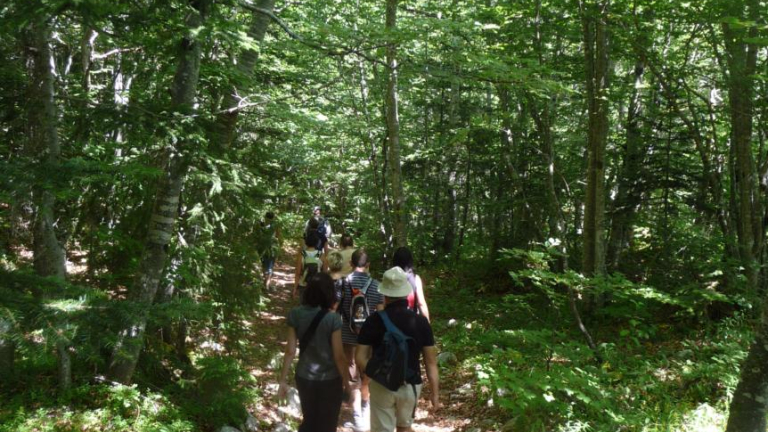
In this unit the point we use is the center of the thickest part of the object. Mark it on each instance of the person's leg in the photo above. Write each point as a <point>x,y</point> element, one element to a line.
<point>306,397</point>
<point>329,397</point>
<point>365,400</point>
<point>406,399</point>
<point>269,267</point>
<point>383,418</point>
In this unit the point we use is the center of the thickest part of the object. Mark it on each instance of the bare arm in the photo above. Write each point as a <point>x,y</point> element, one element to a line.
<point>430,362</point>
<point>362,354</point>
<point>422,300</point>
<point>290,353</point>
<point>340,359</point>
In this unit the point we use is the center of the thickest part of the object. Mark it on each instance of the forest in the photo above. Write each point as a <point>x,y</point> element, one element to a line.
<point>583,185</point>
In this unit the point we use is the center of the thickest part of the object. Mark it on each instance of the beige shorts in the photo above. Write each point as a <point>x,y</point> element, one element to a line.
<point>390,409</point>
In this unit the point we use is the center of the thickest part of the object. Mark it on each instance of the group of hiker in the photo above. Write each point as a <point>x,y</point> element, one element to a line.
<point>360,340</point>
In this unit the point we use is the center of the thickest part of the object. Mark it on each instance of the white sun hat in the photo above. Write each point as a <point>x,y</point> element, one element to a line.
<point>395,283</point>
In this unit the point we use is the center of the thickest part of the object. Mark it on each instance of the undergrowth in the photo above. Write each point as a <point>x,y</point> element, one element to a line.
<point>665,366</point>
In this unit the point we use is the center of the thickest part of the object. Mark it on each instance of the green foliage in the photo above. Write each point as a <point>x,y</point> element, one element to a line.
<point>91,408</point>
<point>219,394</point>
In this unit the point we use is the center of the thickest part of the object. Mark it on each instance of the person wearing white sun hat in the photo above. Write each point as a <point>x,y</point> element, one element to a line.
<point>394,409</point>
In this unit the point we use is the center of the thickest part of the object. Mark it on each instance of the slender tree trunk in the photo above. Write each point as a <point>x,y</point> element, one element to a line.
<point>594,19</point>
<point>49,254</point>
<point>399,212</point>
<point>7,351</point>
<point>629,187</point>
<point>165,211</point>
<point>226,121</point>
<point>741,59</point>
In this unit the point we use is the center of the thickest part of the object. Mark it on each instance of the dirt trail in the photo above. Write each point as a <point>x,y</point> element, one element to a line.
<point>455,416</point>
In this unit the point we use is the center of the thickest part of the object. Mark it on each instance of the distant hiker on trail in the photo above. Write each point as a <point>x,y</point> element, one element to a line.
<point>395,387</point>
<point>269,243</point>
<point>309,262</point>
<point>347,249</point>
<point>318,224</point>
<point>335,265</point>
<point>321,374</point>
<point>417,302</point>
<point>359,298</point>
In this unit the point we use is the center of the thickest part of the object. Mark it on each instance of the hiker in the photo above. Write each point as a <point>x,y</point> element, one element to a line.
<point>270,241</point>
<point>336,263</point>
<point>359,298</point>
<point>417,302</point>
<point>395,388</point>
<point>308,262</point>
<point>347,249</point>
<point>322,377</point>
<point>318,224</point>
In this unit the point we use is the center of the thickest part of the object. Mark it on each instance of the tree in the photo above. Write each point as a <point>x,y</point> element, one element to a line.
<point>395,182</point>
<point>594,17</point>
<point>165,209</point>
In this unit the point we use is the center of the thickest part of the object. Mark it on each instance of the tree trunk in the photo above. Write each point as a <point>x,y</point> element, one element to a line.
<point>7,351</point>
<point>594,19</point>
<point>399,212</point>
<point>750,400</point>
<point>226,121</point>
<point>629,187</point>
<point>165,211</point>
<point>49,255</point>
<point>741,61</point>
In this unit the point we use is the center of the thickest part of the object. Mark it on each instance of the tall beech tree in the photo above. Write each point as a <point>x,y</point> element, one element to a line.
<point>166,204</point>
<point>394,178</point>
<point>594,16</point>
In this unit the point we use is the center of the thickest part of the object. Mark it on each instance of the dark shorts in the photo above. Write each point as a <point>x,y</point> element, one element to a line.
<point>267,264</point>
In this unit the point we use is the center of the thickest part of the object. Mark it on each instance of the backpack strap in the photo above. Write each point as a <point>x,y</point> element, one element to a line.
<point>366,286</point>
<point>307,337</point>
<point>390,326</point>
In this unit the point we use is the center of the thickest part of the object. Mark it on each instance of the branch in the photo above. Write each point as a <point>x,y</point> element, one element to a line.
<point>333,51</point>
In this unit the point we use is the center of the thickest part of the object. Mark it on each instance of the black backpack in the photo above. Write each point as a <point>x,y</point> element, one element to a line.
<point>389,364</point>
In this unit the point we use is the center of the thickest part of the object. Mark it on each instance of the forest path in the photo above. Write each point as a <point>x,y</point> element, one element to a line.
<point>269,341</point>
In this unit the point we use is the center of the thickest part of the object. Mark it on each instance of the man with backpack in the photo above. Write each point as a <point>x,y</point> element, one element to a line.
<point>359,298</point>
<point>389,346</point>
<point>319,225</point>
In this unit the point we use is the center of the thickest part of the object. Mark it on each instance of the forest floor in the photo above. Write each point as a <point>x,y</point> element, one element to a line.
<point>458,412</point>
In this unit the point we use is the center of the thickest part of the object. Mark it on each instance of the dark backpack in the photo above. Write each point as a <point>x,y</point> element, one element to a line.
<point>322,229</point>
<point>389,364</point>
<point>318,225</point>
<point>358,307</point>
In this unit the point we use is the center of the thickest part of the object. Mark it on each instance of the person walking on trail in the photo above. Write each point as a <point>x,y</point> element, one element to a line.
<point>347,248</point>
<point>335,262</point>
<point>417,302</point>
<point>320,225</point>
<point>395,387</point>
<point>270,242</point>
<point>322,377</point>
<point>359,297</point>
<point>309,262</point>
